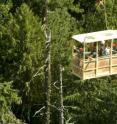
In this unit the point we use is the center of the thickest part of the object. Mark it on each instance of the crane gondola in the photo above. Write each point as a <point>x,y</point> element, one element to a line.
<point>94,54</point>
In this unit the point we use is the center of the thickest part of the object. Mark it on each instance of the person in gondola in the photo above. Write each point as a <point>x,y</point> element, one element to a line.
<point>102,50</point>
<point>80,54</point>
<point>81,49</point>
<point>115,46</point>
<point>106,51</point>
<point>93,51</point>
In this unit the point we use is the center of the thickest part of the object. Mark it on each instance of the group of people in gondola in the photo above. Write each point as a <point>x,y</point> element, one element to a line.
<point>103,50</point>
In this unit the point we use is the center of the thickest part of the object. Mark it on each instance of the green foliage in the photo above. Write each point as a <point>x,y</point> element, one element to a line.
<point>30,45</point>
<point>111,11</point>
<point>22,49</point>
<point>93,102</point>
<point>8,96</point>
<point>7,41</point>
<point>62,26</point>
<point>30,51</point>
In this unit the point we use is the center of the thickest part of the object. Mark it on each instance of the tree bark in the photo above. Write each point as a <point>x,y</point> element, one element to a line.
<point>47,66</point>
<point>48,78</point>
<point>61,120</point>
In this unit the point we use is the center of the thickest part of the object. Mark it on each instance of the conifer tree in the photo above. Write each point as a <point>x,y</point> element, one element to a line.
<point>8,95</point>
<point>30,49</point>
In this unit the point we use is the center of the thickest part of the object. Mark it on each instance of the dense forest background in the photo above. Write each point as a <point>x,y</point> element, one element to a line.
<point>22,57</point>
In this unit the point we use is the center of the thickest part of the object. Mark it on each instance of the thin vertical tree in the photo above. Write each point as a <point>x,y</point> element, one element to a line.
<point>47,65</point>
<point>61,118</point>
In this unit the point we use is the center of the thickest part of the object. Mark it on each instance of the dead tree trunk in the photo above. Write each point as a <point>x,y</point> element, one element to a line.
<point>47,66</point>
<point>61,118</point>
<point>48,78</point>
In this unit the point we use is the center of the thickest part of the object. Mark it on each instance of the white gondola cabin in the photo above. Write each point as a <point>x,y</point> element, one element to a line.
<point>94,54</point>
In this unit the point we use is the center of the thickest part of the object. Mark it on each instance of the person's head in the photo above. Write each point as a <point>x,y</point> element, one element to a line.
<point>81,46</point>
<point>94,44</point>
<point>103,42</point>
<point>106,46</point>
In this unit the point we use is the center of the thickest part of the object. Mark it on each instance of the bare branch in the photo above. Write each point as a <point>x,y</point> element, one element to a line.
<point>68,121</point>
<point>38,111</point>
<point>53,106</point>
<point>55,85</point>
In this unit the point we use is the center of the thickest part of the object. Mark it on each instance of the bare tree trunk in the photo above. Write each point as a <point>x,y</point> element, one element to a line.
<point>47,66</point>
<point>48,78</point>
<point>61,119</point>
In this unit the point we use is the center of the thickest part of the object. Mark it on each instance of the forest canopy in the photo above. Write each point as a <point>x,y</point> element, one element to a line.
<point>24,47</point>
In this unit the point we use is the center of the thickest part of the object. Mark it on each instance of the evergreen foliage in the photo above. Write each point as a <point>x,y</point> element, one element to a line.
<point>93,102</point>
<point>8,95</point>
<point>30,50</point>
<point>22,57</point>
